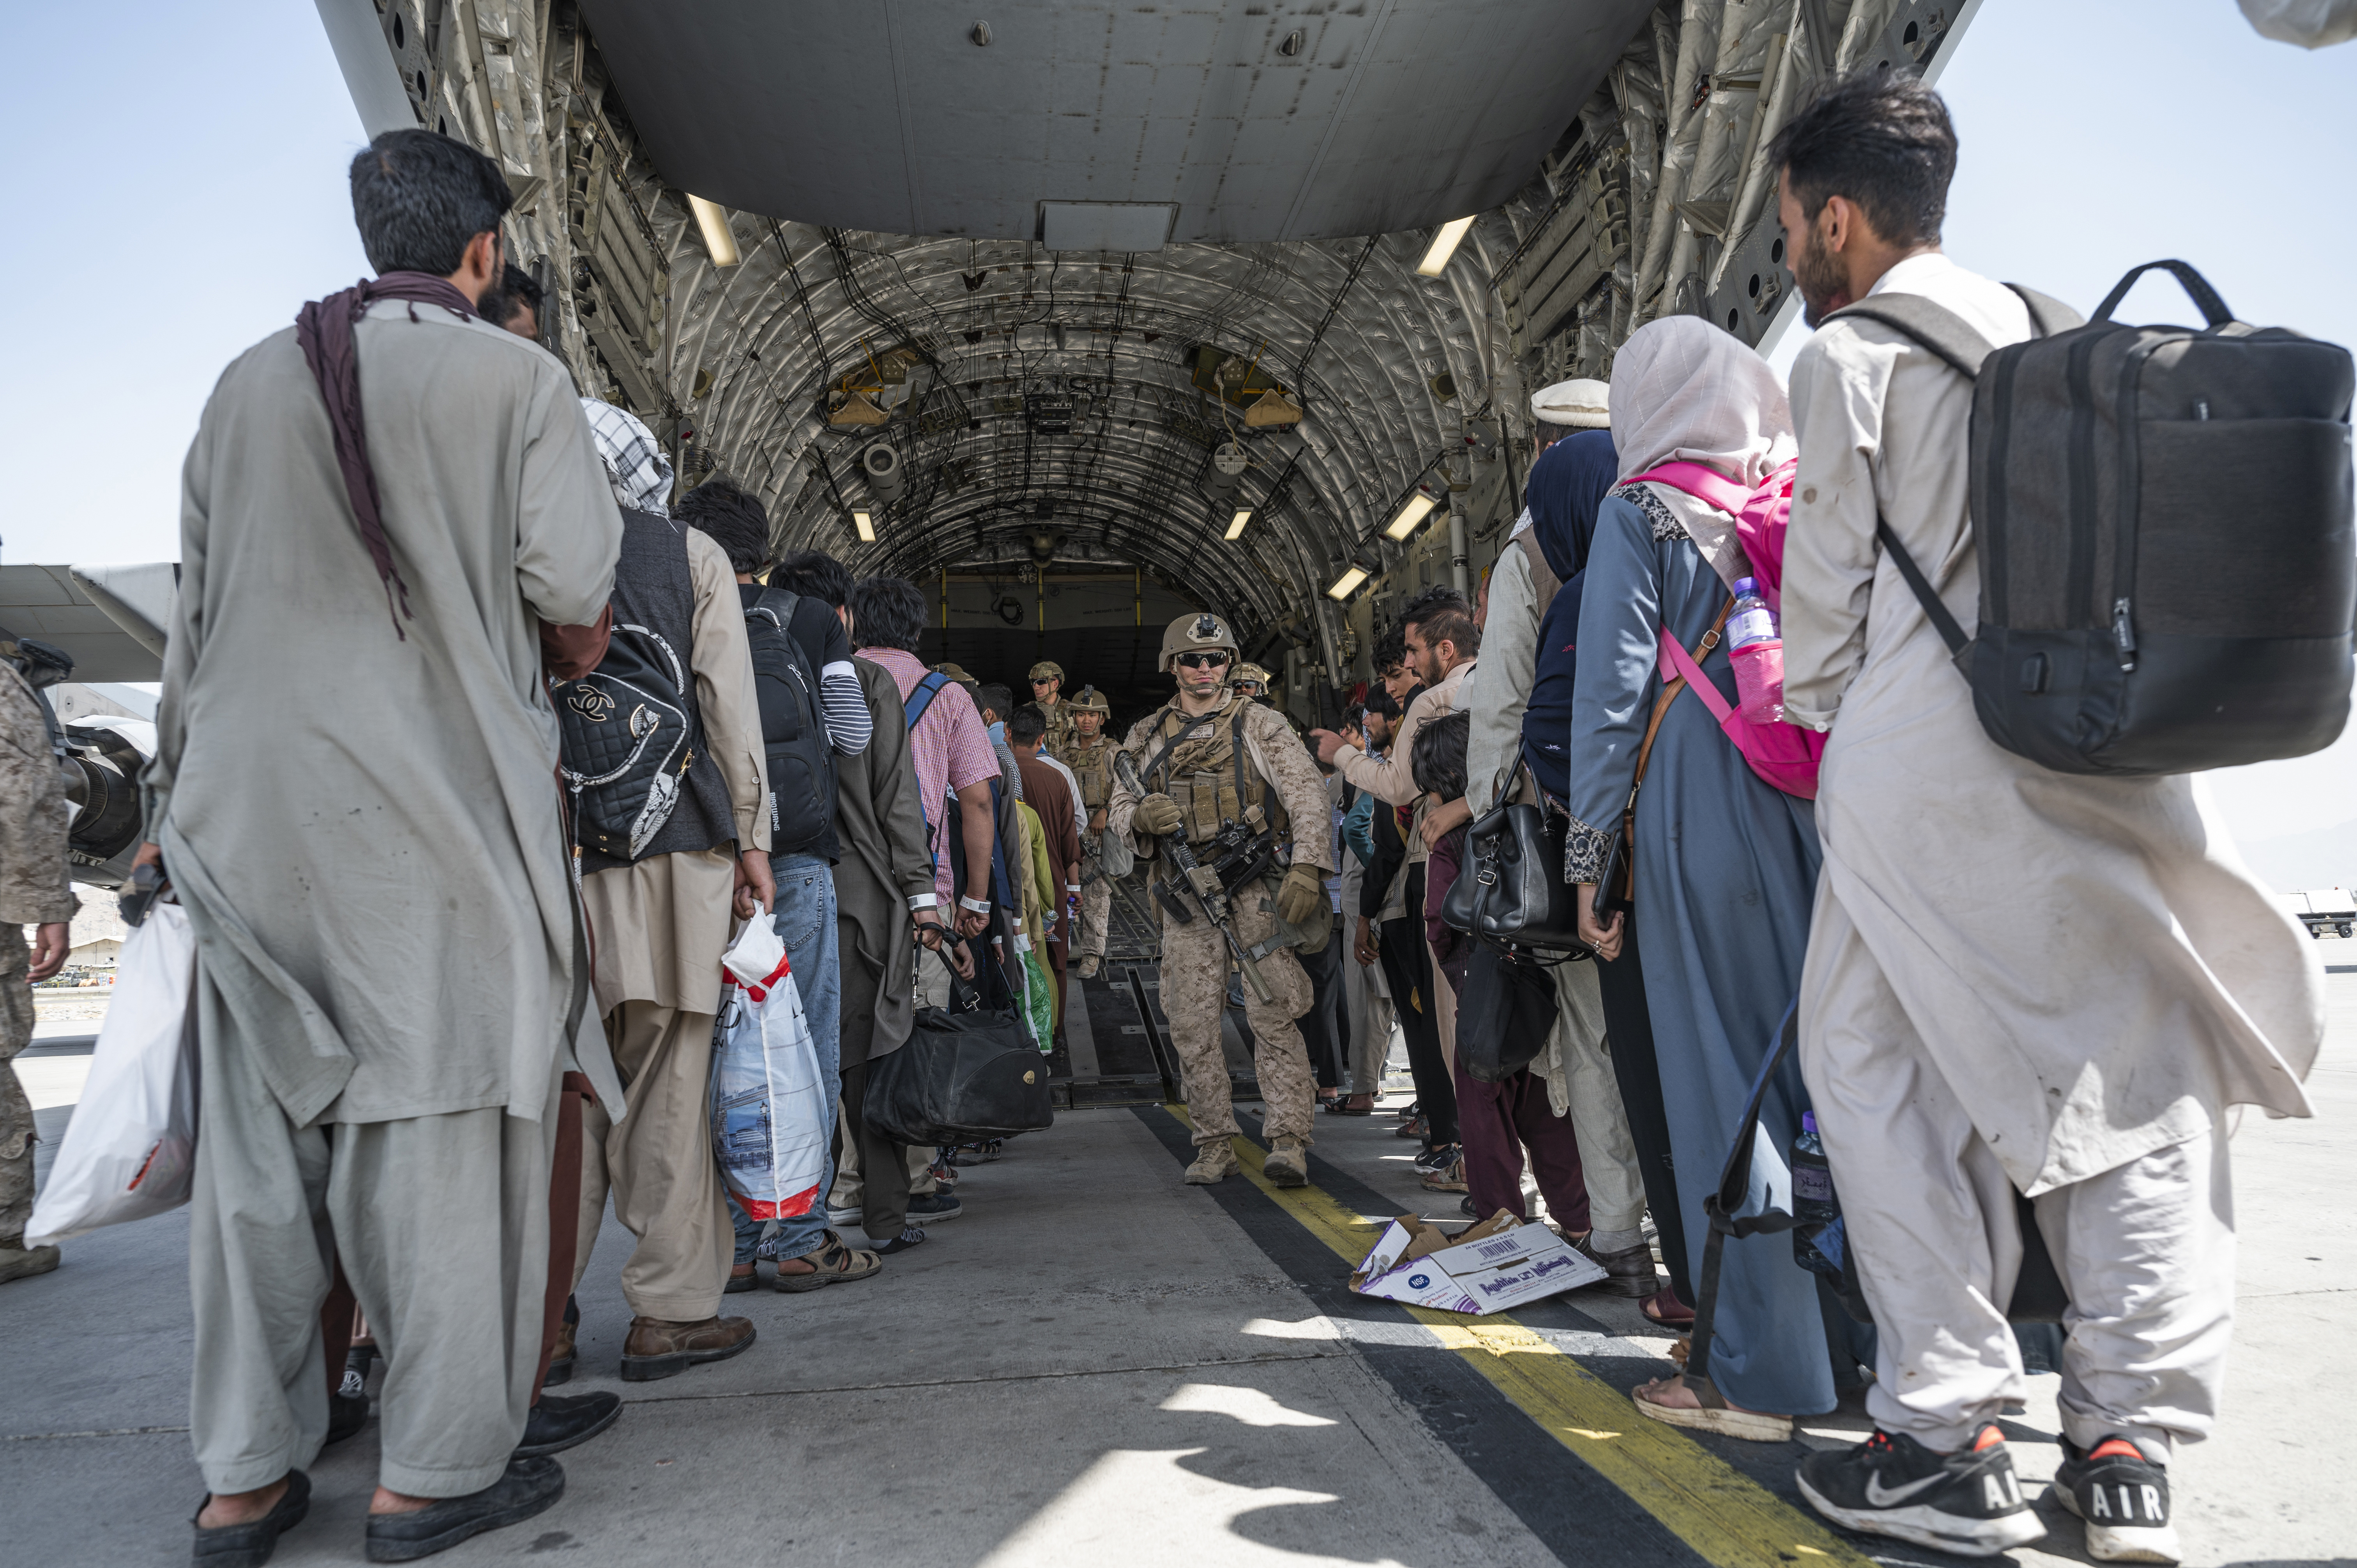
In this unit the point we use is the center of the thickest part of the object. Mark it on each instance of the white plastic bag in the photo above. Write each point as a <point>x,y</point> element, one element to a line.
<point>757,956</point>
<point>130,1149</point>
<point>770,1121</point>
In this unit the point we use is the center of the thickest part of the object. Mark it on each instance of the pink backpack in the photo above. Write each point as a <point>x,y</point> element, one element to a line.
<point>1783,755</point>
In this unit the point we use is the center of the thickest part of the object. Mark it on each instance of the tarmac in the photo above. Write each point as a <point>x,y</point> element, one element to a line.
<point>1095,1363</point>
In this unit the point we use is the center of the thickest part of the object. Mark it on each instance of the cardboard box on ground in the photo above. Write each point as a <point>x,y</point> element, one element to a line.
<point>1488,1267</point>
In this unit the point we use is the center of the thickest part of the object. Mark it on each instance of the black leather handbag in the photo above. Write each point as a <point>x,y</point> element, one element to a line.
<point>961,1078</point>
<point>1511,890</point>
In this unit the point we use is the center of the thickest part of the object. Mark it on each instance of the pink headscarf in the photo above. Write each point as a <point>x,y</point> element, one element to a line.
<point>1684,390</point>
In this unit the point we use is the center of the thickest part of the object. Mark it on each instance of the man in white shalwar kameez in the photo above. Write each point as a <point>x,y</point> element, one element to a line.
<point>2016,980</point>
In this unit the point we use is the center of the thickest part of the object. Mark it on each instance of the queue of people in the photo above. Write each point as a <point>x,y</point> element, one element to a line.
<point>2024,1000</point>
<point>430,1130</point>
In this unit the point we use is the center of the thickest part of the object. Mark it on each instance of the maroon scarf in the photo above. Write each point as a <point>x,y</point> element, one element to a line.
<point>324,328</point>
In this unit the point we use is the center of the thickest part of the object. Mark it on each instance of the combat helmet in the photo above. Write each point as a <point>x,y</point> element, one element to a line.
<point>1198,633</point>
<point>1088,699</point>
<point>1046,670</point>
<point>1248,675</point>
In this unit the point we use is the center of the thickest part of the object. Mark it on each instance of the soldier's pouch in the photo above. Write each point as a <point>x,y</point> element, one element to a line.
<point>1309,939</point>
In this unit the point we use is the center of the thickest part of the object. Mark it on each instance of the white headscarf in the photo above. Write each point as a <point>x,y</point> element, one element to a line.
<point>1683,391</point>
<point>635,465</point>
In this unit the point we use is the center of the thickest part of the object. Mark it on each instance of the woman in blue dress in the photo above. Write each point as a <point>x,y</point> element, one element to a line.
<point>1725,865</point>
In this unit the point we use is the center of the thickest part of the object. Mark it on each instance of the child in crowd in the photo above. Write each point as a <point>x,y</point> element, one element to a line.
<point>1437,763</point>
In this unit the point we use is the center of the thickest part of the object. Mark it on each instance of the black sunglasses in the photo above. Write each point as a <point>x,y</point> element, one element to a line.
<point>1201,660</point>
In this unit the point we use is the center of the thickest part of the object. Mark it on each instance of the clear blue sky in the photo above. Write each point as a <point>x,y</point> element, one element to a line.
<point>178,192</point>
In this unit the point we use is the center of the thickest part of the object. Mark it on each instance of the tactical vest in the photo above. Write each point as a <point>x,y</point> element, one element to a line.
<point>1091,762</point>
<point>1209,773</point>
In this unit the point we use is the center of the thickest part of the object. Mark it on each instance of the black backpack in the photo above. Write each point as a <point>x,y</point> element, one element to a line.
<point>2169,574</point>
<point>793,730</point>
<point>626,742</point>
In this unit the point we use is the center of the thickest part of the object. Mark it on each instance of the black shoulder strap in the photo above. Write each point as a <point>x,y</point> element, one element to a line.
<point>1146,773</point>
<point>1948,335</point>
<point>777,605</point>
<point>1950,631</point>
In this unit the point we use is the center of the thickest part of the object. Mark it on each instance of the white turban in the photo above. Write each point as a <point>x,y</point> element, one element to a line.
<point>1584,404</point>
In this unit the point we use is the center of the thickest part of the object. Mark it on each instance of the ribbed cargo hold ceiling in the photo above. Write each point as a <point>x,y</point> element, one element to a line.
<point>995,406</point>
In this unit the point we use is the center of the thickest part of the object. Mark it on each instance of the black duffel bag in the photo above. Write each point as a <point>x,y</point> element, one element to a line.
<point>961,1078</point>
<point>1511,887</point>
<point>1505,1015</point>
<point>2164,523</point>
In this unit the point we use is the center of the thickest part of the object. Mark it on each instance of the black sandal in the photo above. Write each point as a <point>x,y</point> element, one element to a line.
<point>249,1545</point>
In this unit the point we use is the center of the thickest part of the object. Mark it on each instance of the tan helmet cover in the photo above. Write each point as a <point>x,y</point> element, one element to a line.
<point>1088,699</point>
<point>1248,674</point>
<point>1047,669</point>
<point>1198,633</point>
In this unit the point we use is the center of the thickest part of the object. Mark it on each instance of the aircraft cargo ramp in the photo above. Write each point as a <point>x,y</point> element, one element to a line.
<point>1096,1363</point>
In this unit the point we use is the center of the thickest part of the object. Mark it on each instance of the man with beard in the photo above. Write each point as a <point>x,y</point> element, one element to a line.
<point>2019,982</point>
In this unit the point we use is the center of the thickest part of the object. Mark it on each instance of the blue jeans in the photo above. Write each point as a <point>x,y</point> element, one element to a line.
<point>805,920</point>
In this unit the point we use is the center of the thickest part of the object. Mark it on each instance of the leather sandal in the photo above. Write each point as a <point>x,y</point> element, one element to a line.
<point>833,1264</point>
<point>249,1545</point>
<point>1667,1308</point>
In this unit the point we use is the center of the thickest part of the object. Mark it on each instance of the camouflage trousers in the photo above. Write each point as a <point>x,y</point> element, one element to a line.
<point>15,1108</point>
<point>1096,917</point>
<point>1195,965</point>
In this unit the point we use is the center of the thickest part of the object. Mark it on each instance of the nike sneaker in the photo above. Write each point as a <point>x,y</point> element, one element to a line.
<point>2124,1498</point>
<point>1968,1502</point>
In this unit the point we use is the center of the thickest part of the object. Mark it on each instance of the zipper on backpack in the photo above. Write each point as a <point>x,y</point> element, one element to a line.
<point>2124,634</point>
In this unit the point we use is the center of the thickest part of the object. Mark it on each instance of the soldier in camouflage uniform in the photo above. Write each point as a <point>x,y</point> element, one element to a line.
<point>1209,757</point>
<point>1047,690</point>
<point>33,892</point>
<point>1088,752</point>
<point>1249,681</point>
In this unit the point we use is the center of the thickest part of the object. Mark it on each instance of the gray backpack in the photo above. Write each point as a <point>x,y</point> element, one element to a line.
<point>2168,572</point>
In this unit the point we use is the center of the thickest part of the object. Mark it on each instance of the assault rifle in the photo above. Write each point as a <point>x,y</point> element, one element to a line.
<point>1201,879</point>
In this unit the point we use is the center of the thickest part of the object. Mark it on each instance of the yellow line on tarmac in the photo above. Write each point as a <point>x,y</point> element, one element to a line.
<point>1727,1518</point>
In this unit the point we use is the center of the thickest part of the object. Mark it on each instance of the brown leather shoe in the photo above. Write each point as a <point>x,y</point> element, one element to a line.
<point>660,1349</point>
<point>560,1364</point>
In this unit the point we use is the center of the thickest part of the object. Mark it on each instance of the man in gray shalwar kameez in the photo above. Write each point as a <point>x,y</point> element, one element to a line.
<point>354,796</point>
<point>2017,979</point>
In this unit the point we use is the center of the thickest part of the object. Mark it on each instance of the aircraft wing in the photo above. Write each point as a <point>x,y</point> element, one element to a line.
<point>111,617</point>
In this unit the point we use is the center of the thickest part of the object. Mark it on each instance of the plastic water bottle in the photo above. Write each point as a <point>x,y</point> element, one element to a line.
<point>1817,1231</point>
<point>1756,646</point>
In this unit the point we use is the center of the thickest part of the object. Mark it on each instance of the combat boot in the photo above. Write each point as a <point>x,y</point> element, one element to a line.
<point>1288,1162</point>
<point>1213,1162</point>
<point>18,1262</point>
